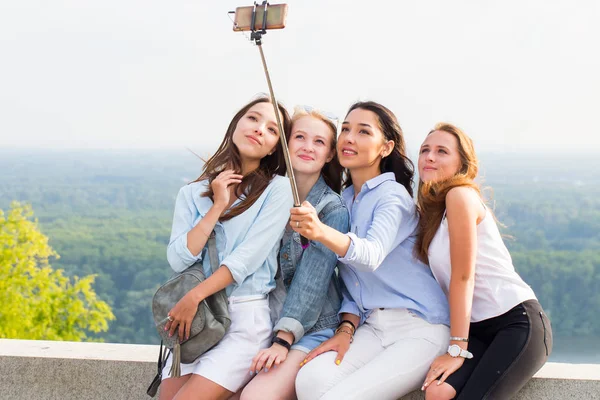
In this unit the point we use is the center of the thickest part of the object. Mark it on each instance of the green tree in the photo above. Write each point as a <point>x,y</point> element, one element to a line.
<point>36,301</point>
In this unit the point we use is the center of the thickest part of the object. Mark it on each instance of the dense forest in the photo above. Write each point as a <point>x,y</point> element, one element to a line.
<point>109,213</point>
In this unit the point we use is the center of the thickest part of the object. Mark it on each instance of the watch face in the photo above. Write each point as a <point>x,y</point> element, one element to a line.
<point>454,350</point>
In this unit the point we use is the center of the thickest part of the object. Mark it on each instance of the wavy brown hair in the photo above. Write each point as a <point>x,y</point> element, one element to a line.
<point>431,197</point>
<point>331,171</point>
<point>397,162</point>
<point>227,156</point>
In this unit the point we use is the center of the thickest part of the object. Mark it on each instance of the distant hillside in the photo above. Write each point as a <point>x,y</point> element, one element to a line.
<point>109,213</point>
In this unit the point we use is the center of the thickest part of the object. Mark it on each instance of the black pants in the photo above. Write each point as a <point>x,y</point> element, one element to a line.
<point>507,351</point>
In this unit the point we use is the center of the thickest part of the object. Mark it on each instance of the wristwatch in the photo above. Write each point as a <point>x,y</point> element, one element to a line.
<point>456,351</point>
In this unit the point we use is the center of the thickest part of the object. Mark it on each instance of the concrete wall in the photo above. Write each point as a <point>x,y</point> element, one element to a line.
<point>32,370</point>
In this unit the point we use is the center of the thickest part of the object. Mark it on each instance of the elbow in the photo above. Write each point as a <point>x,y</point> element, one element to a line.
<point>174,260</point>
<point>371,263</point>
<point>463,279</point>
<point>369,267</point>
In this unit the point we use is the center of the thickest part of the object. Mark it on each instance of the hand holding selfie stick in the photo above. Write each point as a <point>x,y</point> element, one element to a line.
<point>256,36</point>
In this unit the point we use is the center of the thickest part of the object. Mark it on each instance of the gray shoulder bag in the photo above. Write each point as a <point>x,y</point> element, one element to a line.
<point>208,326</point>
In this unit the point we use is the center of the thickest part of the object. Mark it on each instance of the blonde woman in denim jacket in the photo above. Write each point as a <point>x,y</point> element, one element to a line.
<point>307,313</point>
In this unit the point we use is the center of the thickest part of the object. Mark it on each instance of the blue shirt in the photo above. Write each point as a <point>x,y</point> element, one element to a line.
<point>247,244</point>
<point>379,268</point>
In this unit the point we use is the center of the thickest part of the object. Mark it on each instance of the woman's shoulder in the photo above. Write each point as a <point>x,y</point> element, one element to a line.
<point>331,201</point>
<point>464,196</point>
<point>395,192</point>
<point>194,187</point>
<point>279,188</point>
<point>465,201</point>
<point>279,182</point>
<point>330,196</point>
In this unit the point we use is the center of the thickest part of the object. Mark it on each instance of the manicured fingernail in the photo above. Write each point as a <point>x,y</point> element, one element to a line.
<point>274,366</point>
<point>257,371</point>
<point>166,328</point>
<point>251,373</point>
<point>302,363</point>
<point>439,383</point>
<point>266,369</point>
<point>422,387</point>
<point>338,362</point>
<point>170,334</point>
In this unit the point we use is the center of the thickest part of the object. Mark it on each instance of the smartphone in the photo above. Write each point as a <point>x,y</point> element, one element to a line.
<point>276,15</point>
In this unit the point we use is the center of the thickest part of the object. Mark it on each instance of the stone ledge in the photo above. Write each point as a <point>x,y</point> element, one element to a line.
<point>49,370</point>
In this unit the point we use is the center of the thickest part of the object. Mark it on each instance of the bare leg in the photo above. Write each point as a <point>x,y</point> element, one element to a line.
<point>198,387</point>
<point>278,383</point>
<point>170,386</point>
<point>236,395</point>
<point>441,392</point>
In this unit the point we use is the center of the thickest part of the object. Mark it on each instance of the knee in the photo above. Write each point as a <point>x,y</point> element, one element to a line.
<point>441,392</point>
<point>311,382</point>
<point>253,392</point>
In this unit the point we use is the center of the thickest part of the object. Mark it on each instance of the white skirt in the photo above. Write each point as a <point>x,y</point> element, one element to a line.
<point>228,363</point>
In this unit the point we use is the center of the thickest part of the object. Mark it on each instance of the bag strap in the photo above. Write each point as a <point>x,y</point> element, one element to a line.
<point>212,252</point>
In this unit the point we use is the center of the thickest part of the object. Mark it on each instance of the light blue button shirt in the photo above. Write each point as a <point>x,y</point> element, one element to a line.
<point>379,268</point>
<point>247,244</point>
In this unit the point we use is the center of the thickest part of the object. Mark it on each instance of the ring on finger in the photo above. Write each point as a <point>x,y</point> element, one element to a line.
<point>170,318</point>
<point>297,224</point>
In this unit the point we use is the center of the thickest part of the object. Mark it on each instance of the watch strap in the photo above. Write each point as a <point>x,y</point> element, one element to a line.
<point>281,342</point>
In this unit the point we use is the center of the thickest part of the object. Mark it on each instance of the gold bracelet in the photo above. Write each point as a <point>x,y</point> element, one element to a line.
<point>347,323</point>
<point>338,330</point>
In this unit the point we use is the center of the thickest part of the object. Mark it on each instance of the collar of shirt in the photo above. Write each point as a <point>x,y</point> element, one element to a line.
<point>371,184</point>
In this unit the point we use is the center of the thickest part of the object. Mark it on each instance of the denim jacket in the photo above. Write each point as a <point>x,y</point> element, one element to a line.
<point>247,244</point>
<point>313,295</point>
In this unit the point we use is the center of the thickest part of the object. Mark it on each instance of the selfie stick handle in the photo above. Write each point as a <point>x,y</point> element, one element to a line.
<point>286,151</point>
<point>256,35</point>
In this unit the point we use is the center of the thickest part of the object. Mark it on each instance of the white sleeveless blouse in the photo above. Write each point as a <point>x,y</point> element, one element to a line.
<point>498,287</point>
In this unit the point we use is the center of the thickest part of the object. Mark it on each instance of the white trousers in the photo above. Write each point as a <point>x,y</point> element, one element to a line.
<point>228,363</point>
<point>390,356</point>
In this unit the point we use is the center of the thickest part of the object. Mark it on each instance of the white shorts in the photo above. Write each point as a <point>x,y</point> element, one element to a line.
<point>228,363</point>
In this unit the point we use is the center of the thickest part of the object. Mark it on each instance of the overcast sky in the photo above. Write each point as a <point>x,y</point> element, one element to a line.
<point>518,75</point>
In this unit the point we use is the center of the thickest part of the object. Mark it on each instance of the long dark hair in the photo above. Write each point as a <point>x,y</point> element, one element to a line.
<point>397,162</point>
<point>331,171</point>
<point>227,156</point>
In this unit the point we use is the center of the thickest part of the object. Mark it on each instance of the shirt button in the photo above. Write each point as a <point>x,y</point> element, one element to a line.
<point>285,256</point>
<point>356,283</point>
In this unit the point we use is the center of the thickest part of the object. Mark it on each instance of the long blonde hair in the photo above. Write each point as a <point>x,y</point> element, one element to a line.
<point>331,171</point>
<point>431,197</point>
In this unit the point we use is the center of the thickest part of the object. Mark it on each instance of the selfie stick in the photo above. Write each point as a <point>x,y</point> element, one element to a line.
<point>256,35</point>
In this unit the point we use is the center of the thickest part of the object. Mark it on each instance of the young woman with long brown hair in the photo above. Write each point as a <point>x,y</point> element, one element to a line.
<point>243,196</point>
<point>500,335</point>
